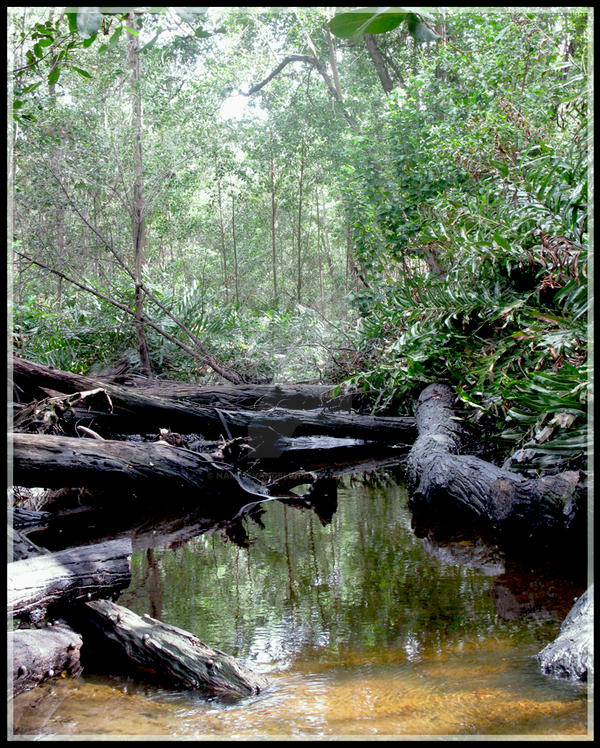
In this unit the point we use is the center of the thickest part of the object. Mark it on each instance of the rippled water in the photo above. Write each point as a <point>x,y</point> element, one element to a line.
<point>363,628</point>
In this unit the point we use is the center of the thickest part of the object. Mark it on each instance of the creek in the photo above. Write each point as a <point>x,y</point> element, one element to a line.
<point>366,627</point>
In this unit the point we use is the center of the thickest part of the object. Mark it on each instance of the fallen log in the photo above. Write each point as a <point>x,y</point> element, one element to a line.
<point>39,654</point>
<point>54,461</point>
<point>125,411</point>
<point>571,654</point>
<point>170,656</point>
<point>439,477</point>
<point>19,546</point>
<point>32,382</point>
<point>59,579</point>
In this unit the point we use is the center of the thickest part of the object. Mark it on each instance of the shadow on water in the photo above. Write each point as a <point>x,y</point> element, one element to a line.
<point>365,619</point>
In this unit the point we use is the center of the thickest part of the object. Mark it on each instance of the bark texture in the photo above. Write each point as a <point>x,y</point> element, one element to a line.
<point>59,462</point>
<point>166,654</point>
<point>571,654</point>
<point>84,573</point>
<point>39,654</point>
<point>438,475</point>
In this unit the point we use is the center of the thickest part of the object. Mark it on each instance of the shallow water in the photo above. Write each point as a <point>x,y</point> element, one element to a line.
<point>363,629</point>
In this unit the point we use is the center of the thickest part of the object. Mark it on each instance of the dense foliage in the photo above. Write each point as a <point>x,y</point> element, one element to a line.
<point>474,238</point>
<point>386,210</point>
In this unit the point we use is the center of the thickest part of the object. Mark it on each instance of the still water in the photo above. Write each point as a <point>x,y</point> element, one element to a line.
<point>363,628</point>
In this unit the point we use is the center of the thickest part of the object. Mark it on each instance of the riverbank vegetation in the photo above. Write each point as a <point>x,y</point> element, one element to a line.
<point>289,202</point>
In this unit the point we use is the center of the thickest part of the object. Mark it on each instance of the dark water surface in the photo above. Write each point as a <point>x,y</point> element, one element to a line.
<point>363,628</point>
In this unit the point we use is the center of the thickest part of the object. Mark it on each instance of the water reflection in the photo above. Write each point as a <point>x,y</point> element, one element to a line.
<point>362,627</point>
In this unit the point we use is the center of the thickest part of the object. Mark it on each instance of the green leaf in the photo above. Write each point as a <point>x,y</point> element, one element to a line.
<point>89,41</point>
<point>201,33</point>
<point>17,104</point>
<point>72,18</point>
<point>81,72</point>
<point>53,77</point>
<point>38,50</point>
<point>45,42</point>
<point>31,87</point>
<point>131,31</point>
<point>365,21</point>
<point>419,31</point>
<point>115,37</point>
<point>504,243</point>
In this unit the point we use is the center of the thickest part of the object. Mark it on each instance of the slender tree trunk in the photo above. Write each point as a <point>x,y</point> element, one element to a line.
<point>299,236</point>
<point>326,242</point>
<point>139,205</point>
<point>273,209</point>
<point>222,227</point>
<point>56,160</point>
<point>320,251</point>
<point>235,262</point>
<point>333,61</point>
<point>379,63</point>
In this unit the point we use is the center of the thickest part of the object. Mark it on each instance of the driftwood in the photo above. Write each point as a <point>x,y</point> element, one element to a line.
<point>438,476</point>
<point>165,654</point>
<point>39,654</point>
<point>35,584</point>
<point>571,654</point>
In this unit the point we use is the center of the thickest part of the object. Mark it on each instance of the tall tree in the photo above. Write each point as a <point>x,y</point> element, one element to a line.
<point>138,208</point>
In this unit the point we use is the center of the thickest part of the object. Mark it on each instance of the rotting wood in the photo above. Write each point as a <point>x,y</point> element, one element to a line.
<point>40,654</point>
<point>441,478</point>
<point>36,584</point>
<point>165,654</point>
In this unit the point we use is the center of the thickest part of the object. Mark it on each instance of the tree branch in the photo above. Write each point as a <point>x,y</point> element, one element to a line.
<point>311,61</point>
<point>204,357</point>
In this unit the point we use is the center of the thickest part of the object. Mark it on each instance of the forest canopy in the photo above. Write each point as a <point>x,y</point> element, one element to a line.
<point>289,194</point>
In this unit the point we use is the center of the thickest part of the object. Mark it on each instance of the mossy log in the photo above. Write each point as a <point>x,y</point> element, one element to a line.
<point>40,654</point>
<point>84,573</point>
<point>167,655</point>
<point>441,478</point>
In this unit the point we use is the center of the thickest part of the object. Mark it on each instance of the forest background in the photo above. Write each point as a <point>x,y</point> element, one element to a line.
<point>256,193</point>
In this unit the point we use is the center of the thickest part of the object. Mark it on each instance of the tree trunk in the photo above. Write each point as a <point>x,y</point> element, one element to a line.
<point>39,654</point>
<point>273,208</point>
<point>326,242</point>
<point>59,579</point>
<point>378,62</point>
<point>56,462</point>
<point>320,252</point>
<point>299,281</point>
<point>333,60</point>
<point>235,260</point>
<point>571,654</point>
<point>439,478</point>
<point>168,655</point>
<point>222,231</point>
<point>138,214</point>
